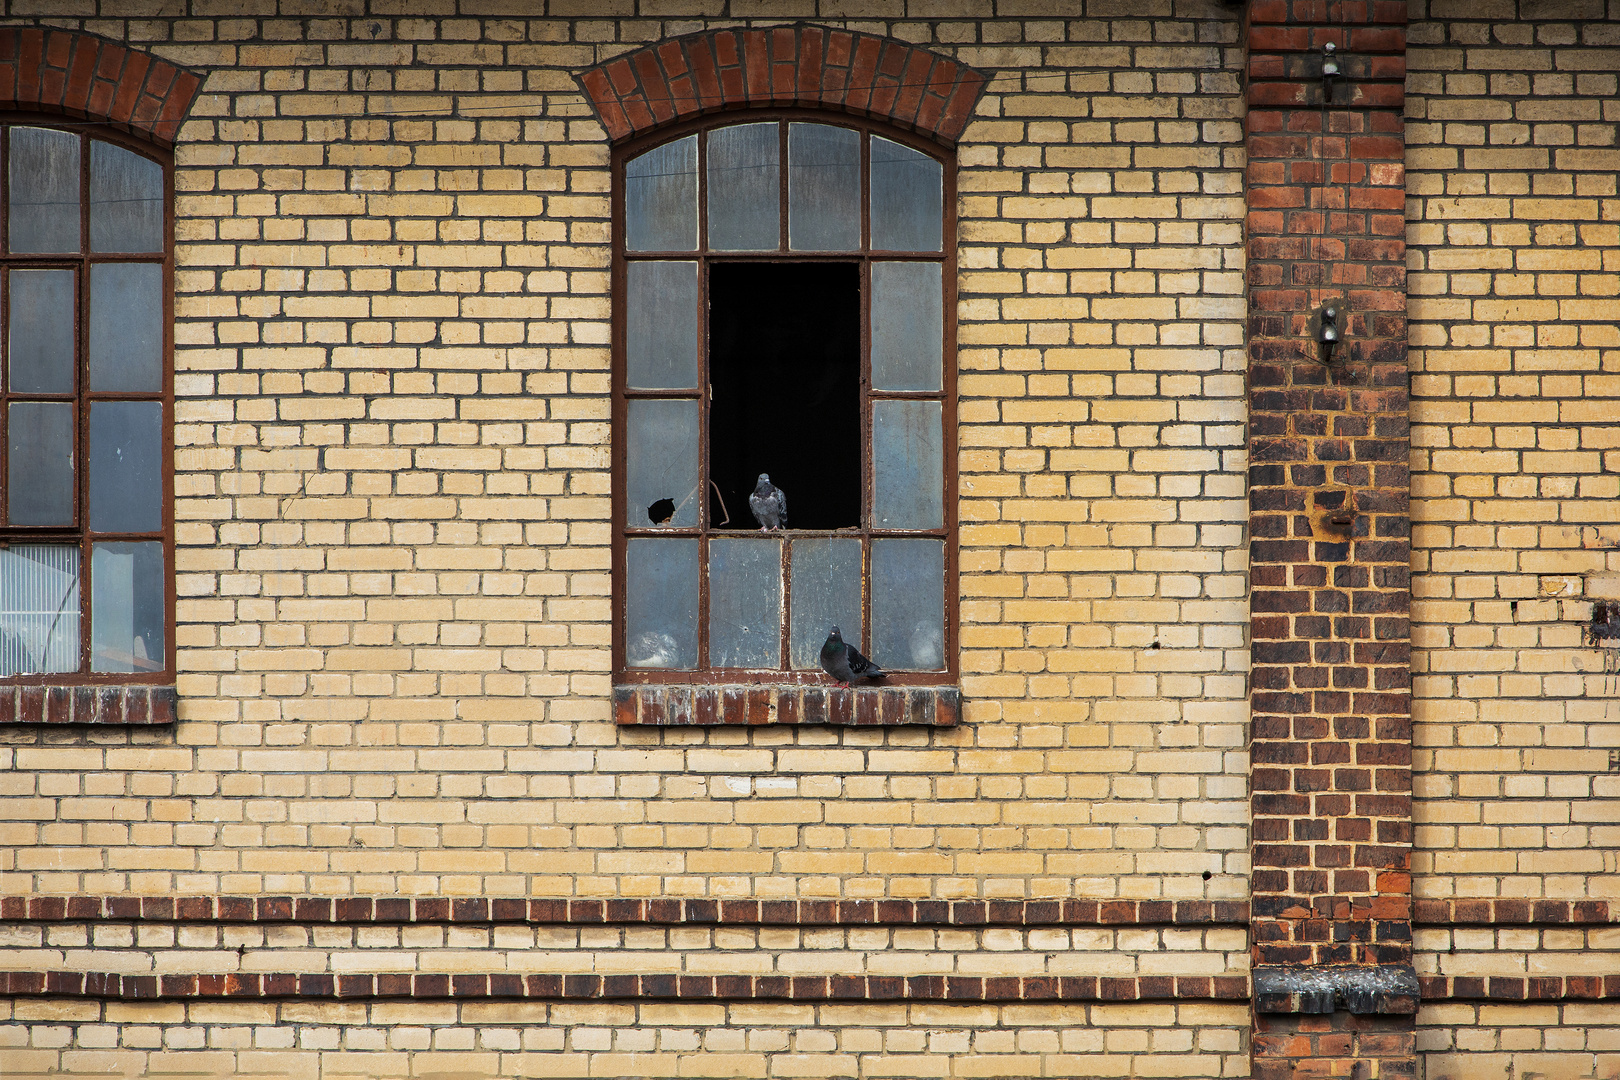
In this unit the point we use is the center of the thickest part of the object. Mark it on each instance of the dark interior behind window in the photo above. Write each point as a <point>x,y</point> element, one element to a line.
<point>785,392</point>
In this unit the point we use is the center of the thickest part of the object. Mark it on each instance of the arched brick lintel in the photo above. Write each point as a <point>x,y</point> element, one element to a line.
<point>803,65</point>
<point>61,71</point>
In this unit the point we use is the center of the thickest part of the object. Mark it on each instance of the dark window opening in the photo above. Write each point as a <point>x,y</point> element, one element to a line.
<point>785,390</point>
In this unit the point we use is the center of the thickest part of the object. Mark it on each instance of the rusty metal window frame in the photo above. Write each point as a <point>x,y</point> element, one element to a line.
<point>83,396</point>
<point>866,256</point>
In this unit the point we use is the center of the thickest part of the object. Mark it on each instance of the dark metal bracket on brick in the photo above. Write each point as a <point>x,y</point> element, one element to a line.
<point>665,705</point>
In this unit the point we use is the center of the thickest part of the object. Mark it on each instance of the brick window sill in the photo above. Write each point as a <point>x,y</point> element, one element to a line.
<point>88,703</point>
<point>667,705</point>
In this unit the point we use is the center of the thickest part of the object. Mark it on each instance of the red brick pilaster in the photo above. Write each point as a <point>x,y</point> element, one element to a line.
<point>1329,549</point>
<point>63,71</point>
<point>804,65</point>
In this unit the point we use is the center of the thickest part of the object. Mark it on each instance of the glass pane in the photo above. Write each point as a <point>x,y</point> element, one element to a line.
<point>44,191</point>
<point>661,449</point>
<point>908,196</point>
<point>39,472</point>
<point>745,603</point>
<point>908,326</point>
<point>41,337</point>
<point>826,593</point>
<point>660,198</point>
<point>824,188</point>
<point>126,607</point>
<point>908,465</point>
<point>126,327</point>
<point>661,603</point>
<point>661,325</point>
<point>745,192</point>
<point>126,200</point>
<point>39,609</point>
<point>908,604</point>
<point>126,448</point>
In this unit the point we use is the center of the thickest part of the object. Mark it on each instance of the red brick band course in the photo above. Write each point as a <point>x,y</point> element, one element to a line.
<point>679,911</point>
<point>586,987</point>
<point>669,912</point>
<point>802,65</point>
<point>562,987</point>
<point>61,71</point>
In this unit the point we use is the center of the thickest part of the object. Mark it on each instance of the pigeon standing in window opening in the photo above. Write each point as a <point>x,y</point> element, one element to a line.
<point>769,504</point>
<point>844,662</point>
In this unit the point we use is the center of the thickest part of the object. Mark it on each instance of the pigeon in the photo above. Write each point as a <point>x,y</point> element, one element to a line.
<point>769,504</point>
<point>844,662</point>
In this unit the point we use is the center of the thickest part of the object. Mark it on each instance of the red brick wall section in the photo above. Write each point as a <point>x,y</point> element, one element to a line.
<point>811,66</point>
<point>1345,1048</point>
<point>1330,699</point>
<point>60,71</point>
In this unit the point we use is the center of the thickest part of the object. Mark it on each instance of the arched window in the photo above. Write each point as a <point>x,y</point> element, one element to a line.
<point>783,284</point>
<point>86,414</point>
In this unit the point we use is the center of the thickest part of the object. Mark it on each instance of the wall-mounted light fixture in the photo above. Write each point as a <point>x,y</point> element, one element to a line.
<point>1328,331</point>
<point>1331,70</point>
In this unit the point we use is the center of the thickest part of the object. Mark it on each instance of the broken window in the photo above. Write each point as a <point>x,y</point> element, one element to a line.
<point>783,286</point>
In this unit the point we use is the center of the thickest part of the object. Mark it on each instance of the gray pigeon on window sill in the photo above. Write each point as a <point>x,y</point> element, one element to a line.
<point>769,504</point>
<point>844,661</point>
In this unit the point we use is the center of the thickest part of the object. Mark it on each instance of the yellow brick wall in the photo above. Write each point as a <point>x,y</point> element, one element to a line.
<point>1514,234</point>
<point>1474,1041</point>
<point>392,360</point>
<point>389,1040</point>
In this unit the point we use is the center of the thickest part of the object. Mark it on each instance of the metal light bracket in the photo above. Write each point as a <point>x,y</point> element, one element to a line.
<point>1327,326</point>
<point>1332,70</point>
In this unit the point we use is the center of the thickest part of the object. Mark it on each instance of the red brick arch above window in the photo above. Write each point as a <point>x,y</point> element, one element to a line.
<point>814,66</point>
<point>61,71</point>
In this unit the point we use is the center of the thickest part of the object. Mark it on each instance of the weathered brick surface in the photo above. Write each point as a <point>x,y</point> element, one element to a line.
<point>397,1039</point>
<point>1331,748</point>
<point>392,372</point>
<point>1516,285</point>
<point>392,496</point>
<point>1463,1040</point>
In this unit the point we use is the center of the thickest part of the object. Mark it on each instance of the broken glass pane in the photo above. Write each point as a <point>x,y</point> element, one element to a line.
<point>126,448</point>
<point>745,602</point>
<point>826,593</point>
<point>908,465</point>
<point>745,194</point>
<point>661,325</point>
<point>824,188</point>
<point>39,609</point>
<point>126,327</point>
<point>126,200</point>
<point>44,174</point>
<point>908,604</point>
<point>661,603</point>
<point>39,469</point>
<point>908,326</point>
<point>126,607</point>
<point>908,195</point>
<point>661,454</point>
<point>660,198</point>
<point>41,333</point>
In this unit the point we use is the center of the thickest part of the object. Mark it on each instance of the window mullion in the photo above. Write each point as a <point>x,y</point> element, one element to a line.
<point>81,389</point>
